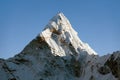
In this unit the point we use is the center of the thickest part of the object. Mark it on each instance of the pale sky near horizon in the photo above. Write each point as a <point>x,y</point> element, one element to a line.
<point>96,21</point>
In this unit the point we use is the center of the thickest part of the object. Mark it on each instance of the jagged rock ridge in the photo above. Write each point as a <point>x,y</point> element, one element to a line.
<point>57,53</point>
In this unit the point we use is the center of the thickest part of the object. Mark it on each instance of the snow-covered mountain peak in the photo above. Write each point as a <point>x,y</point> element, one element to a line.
<point>57,53</point>
<point>59,23</point>
<point>60,36</point>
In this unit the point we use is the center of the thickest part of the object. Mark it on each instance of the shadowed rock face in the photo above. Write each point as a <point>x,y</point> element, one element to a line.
<point>114,64</point>
<point>57,53</point>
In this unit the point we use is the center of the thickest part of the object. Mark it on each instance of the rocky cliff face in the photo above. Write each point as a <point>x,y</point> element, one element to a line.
<point>57,53</point>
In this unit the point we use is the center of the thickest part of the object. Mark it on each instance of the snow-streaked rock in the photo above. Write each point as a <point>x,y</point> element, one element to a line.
<point>57,53</point>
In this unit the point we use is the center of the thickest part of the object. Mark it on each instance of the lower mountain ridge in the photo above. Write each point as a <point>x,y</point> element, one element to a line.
<point>57,53</point>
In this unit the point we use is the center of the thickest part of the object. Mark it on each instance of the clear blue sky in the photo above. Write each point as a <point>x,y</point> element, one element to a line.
<point>96,21</point>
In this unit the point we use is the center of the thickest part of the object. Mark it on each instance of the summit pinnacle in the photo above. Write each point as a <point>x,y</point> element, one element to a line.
<point>60,36</point>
